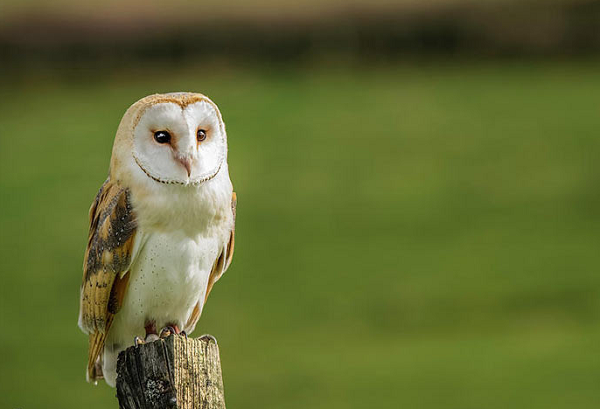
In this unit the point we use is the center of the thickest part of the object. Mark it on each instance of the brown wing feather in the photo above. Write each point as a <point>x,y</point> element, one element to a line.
<point>215,274</point>
<point>219,267</point>
<point>107,259</point>
<point>194,317</point>
<point>224,260</point>
<point>230,244</point>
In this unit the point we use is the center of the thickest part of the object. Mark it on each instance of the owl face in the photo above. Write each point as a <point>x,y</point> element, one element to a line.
<point>179,143</point>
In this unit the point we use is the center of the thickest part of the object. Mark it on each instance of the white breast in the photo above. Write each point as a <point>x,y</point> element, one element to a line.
<point>169,277</point>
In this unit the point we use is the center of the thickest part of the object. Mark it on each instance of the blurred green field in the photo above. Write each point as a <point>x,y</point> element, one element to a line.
<point>410,236</point>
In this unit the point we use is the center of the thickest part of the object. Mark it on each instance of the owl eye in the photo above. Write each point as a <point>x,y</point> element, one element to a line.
<point>201,135</point>
<point>162,136</point>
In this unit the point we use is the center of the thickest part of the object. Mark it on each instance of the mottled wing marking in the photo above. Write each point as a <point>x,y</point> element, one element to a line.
<point>107,259</point>
<point>219,267</point>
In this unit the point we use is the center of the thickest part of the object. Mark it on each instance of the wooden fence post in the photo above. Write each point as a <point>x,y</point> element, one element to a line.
<point>176,372</point>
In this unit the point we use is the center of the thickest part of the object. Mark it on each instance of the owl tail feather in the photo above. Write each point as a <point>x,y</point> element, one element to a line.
<point>94,368</point>
<point>94,374</point>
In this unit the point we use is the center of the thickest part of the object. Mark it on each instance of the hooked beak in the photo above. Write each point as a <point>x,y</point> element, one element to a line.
<point>187,164</point>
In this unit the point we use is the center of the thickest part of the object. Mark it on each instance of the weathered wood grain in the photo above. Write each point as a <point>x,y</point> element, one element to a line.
<point>176,372</point>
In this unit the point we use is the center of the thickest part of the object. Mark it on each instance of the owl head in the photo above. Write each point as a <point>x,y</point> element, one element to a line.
<point>175,138</point>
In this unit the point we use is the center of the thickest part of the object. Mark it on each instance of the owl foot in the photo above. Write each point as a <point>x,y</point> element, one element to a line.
<point>210,338</point>
<point>184,334</point>
<point>167,332</point>
<point>150,328</point>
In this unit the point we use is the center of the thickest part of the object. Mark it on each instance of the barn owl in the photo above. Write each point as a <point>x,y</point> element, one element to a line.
<point>161,227</point>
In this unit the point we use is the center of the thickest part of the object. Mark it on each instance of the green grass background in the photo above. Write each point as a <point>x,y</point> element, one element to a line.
<point>408,236</point>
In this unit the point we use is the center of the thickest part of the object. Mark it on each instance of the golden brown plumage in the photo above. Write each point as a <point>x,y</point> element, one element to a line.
<point>107,259</point>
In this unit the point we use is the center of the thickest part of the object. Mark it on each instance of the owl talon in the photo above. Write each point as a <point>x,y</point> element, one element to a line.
<point>210,338</point>
<point>184,334</point>
<point>138,341</point>
<point>166,332</point>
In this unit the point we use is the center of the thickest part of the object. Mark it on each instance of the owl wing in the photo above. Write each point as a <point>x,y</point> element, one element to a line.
<point>220,265</point>
<point>108,256</point>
